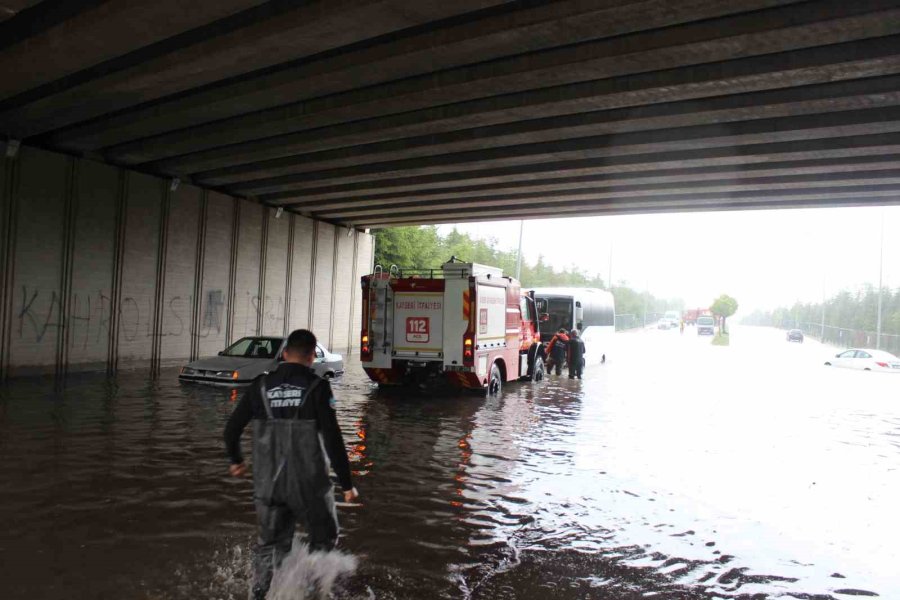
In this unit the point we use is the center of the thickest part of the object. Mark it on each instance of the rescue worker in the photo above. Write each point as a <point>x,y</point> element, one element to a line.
<point>556,351</point>
<point>575,355</point>
<point>290,409</point>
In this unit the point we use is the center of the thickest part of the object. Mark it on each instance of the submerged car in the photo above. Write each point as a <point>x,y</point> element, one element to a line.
<point>795,335</point>
<point>865,359</point>
<point>250,357</point>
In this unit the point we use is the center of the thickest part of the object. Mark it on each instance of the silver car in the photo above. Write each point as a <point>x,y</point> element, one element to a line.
<point>250,357</point>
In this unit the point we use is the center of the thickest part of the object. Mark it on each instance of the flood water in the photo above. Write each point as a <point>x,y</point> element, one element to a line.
<point>676,470</point>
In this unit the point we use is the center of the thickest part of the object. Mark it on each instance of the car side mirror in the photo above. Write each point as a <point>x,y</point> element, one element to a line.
<point>544,317</point>
<point>837,355</point>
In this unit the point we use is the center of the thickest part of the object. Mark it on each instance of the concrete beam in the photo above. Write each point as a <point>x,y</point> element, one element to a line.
<point>786,129</point>
<point>827,98</point>
<point>864,195</point>
<point>788,30</point>
<point>771,184</point>
<point>101,31</point>
<point>663,207</point>
<point>862,167</point>
<point>868,58</point>
<point>491,36</point>
<point>280,32</point>
<point>845,150</point>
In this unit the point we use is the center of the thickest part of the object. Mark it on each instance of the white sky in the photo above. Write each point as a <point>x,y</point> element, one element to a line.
<point>762,258</point>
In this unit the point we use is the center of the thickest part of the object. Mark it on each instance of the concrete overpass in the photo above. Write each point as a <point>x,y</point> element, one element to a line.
<point>131,128</point>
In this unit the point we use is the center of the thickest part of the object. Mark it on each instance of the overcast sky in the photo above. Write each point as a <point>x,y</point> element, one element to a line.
<point>762,258</point>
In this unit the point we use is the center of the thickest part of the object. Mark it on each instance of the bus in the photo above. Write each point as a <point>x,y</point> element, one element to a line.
<point>591,311</point>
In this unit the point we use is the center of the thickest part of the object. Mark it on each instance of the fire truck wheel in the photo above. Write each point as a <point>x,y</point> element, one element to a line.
<point>537,371</point>
<point>495,383</point>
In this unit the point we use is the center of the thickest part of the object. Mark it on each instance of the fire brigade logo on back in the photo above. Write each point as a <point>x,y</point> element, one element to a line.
<point>483,320</point>
<point>286,396</point>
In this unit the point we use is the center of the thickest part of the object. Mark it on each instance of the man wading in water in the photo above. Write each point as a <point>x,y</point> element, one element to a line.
<point>290,409</point>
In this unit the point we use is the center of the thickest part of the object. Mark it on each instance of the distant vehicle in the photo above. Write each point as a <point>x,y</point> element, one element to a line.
<point>795,335</point>
<point>591,311</point>
<point>674,318</point>
<point>865,359</point>
<point>692,314</point>
<point>250,357</point>
<point>706,325</point>
<point>663,323</point>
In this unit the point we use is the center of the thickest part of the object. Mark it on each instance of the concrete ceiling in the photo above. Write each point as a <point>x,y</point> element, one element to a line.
<point>373,113</point>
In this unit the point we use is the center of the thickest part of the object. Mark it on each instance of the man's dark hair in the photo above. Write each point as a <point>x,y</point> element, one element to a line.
<point>561,330</point>
<point>301,341</point>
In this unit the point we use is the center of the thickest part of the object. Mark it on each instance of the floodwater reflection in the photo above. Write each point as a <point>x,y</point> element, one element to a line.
<point>676,469</point>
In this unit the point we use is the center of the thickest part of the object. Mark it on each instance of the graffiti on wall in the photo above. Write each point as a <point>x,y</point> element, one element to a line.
<point>37,315</point>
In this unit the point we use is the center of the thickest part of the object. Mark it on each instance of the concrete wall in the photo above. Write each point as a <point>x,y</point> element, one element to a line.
<point>102,268</point>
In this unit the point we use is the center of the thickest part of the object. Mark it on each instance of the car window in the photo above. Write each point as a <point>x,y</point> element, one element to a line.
<point>848,354</point>
<point>239,348</point>
<point>861,354</point>
<point>319,352</point>
<point>254,348</point>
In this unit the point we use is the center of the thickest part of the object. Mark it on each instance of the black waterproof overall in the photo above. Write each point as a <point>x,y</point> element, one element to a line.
<point>291,483</point>
<point>576,357</point>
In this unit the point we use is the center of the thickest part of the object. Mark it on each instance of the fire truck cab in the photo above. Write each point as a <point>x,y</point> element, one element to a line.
<point>465,323</point>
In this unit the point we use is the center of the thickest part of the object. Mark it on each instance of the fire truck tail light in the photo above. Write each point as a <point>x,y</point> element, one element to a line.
<point>365,350</point>
<point>468,353</point>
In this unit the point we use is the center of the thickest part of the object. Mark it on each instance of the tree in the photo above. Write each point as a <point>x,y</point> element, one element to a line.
<point>724,306</point>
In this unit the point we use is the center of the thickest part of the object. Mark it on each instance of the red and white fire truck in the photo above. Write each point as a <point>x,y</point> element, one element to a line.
<point>464,323</point>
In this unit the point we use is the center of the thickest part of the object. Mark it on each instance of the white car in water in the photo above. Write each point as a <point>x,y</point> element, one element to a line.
<point>865,359</point>
<point>250,357</point>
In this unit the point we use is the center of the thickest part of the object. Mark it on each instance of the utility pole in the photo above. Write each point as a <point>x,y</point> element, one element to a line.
<point>646,293</point>
<point>519,253</point>
<point>880,281</point>
<point>609,283</point>
<point>822,339</point>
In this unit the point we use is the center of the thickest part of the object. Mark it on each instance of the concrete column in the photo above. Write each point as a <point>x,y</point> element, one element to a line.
<point>199,264</point>
<point>8,174</point>
<point>67,260</point>
<point>232,269</point>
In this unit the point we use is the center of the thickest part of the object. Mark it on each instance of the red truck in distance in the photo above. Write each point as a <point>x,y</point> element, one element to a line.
<point>690,315</point>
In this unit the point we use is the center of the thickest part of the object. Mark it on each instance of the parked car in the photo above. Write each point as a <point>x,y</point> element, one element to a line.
<point>663,323</point>
<point>865,359</point>
<point>250,357</point>
<point>795,335</point>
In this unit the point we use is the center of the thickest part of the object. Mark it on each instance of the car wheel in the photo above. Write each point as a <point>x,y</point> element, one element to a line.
<point>495,383</point>
<point>537,371</point>
<point>828,364</point>
<point>867,369</point>
<point>328,375</point>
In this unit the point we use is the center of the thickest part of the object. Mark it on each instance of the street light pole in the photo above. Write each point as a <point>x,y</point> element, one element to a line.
<point>609,283</point>
<point>822,338</point>
<point>519,253</point>
<point>880,280</point>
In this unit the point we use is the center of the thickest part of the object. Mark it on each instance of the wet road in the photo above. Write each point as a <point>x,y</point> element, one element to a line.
<point>676,470</point>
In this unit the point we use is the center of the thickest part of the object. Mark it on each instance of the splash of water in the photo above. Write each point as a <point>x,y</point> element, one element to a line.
<point>305,575</point>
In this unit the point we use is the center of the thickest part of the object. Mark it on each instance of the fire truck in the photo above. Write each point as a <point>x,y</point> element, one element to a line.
<point>464,324</point>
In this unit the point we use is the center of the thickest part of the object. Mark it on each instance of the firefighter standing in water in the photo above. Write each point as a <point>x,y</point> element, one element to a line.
<point>556,350</point>
<point>575,355</point>
<point>290,408</point>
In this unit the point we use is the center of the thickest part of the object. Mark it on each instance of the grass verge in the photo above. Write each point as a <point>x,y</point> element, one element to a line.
<point>720,339</point>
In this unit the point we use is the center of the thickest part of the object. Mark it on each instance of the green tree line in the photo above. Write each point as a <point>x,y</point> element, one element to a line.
<point>425,248</point>
<point>848,309</point>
